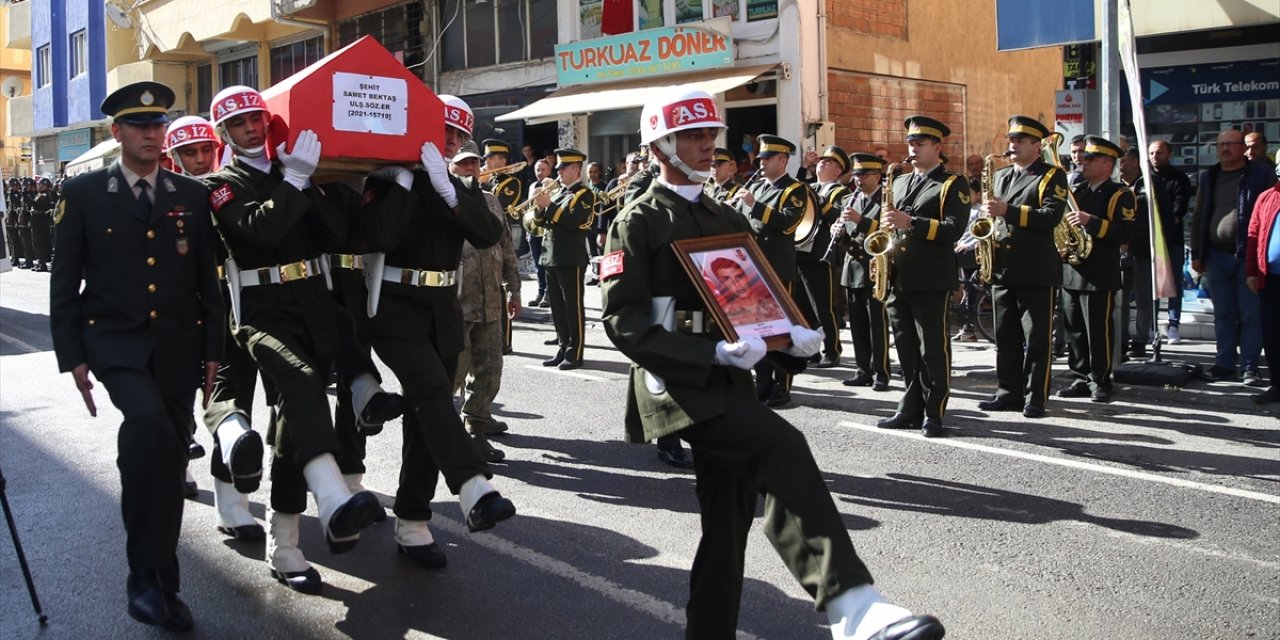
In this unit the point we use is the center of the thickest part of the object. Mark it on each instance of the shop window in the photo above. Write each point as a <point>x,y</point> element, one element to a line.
<point>483,34</point>
<point>398,28</point>
<point>79,47</point>
<point>651,14</point>
<point>44,66</point>
<point>204,87</point>
<point>290,58</point>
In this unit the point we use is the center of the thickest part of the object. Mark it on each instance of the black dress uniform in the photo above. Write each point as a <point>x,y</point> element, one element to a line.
<point>353,357</point>
<point>1089,288</point>
<point>923,274</point>
<point>817,298</point>
<point>271,227</point>
<point>741,449</point>
<point>41,225</point>
<point>418,329</point>
<point>149,317</point>
<point>777,213</point>
<point>564,255</point>
<point>1025,277</point>
<point>509,191</point>
<point>722,191</point>
<point>868,320</point>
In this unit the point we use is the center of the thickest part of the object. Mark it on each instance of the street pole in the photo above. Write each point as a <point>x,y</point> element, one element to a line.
<point>1110,93</point>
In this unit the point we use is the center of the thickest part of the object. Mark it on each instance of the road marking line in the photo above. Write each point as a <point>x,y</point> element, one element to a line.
<point>642,602</point>
<point>18,343</point>
<point>1075,464</point>
<point>573,374</point>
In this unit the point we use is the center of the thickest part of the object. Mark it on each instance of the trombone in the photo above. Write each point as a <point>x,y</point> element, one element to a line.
<point>504,170</point>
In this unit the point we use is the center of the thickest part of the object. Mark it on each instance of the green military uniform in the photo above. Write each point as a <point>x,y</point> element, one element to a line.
<point>778,211</point>
<point>564,255</point>
<point>148,319</point>
<point>418,329</point>
<point>817,300</point>
<point>923,275</point>
<point>868,320</point>
<point>509,191</point>
<point>1026,274</point>
<point>1089,288</point>
<point>274,233</point>
<point>740,447</point>
<point>484,304</point>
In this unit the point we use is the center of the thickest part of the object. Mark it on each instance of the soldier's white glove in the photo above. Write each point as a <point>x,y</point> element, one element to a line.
<point>299,165</point>
<point>804,342</point>
<point>438,170</point>
<point>743,354</point>
<point>396,174</point>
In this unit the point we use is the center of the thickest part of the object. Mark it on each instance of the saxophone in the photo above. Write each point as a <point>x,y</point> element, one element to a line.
<point>1073,242</point>
<point>880,243</point>
<point>985,229</point>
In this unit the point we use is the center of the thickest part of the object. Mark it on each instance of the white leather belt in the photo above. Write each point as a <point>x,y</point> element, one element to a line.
<point>280,274</point>
<point>420,277</point>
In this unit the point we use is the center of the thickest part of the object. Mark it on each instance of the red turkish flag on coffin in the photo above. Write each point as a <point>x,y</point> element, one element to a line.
<point>362,103</point>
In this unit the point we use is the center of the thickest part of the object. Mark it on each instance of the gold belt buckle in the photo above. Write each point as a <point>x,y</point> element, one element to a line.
<point>294,271</point>
<point>348,261</point>
<point>222,273</point>
<point>437,278</point>
<point>408,276</point>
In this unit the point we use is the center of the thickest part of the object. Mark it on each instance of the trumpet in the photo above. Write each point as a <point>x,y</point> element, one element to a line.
<point>610,198</point>
<point>504,170</point>
<point>1073,242</point>
<point>527,211</point>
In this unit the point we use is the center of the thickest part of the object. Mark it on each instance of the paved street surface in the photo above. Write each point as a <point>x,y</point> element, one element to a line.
<point>1155,516</point>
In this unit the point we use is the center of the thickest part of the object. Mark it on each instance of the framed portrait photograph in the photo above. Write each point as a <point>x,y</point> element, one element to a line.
<point>740,288</point>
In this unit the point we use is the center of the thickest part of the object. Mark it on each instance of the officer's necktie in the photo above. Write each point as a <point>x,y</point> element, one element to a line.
<point>144,202</point>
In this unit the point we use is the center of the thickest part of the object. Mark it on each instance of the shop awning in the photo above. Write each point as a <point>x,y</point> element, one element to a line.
<point>630,94</point>
<point>95,158</point>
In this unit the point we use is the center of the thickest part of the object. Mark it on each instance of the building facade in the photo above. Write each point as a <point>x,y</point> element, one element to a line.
<point>15,90</point>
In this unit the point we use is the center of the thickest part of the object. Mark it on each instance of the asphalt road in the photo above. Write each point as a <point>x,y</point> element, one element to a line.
<point>1155,516</point>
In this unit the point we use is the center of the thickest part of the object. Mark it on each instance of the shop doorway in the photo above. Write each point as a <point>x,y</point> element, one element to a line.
<point>745,123</point>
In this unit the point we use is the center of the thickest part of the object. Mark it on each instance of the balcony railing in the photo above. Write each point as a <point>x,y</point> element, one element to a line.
<point>19,33</point>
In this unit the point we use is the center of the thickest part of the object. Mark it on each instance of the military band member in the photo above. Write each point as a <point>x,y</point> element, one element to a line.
<point>817,300</point>
<point>774,204</point>
<point>509,191</point>
<point>273,221</point>
<point>723,184</point>
<point>868,321</point>
<point>931,206</point>
<point>236,464</point>
<point>1107,212</point>
<point>692,383</point>
<point>1028,201</point>
<point>148,323</point>
<point>420,219</point>
<point>566,221</point>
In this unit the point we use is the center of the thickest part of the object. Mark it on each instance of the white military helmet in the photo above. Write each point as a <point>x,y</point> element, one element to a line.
<point>189,130</point>
<point>235,100</point>
<point>673,110</point>
<point>677,109</point>
<point>185,131</point>
<point>457,114</point>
